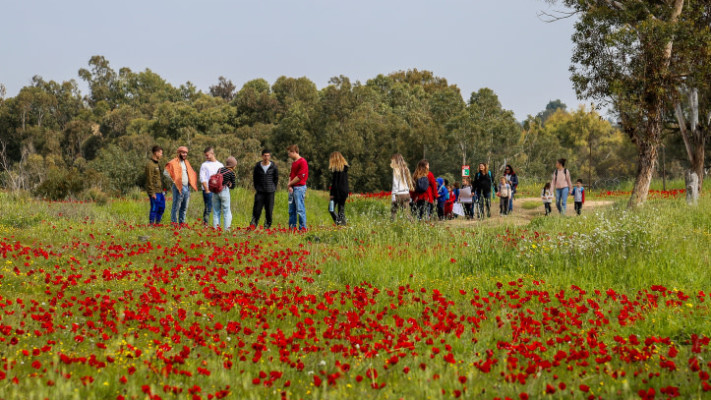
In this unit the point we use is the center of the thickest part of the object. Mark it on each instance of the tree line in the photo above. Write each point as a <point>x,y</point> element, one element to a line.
<point>58,142</point>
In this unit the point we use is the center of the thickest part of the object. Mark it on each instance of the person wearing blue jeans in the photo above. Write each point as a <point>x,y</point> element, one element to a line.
<point>561,199</point>
<point>297,188</point>
<point>511,179</point>
<point>181,199</point>
<point>208,169</point>
<point>562,185</point>
<point>154,186</point>
<point>157,208</point>
<point>179,171</point>
<point>221,201</point>
<point>297,207</point>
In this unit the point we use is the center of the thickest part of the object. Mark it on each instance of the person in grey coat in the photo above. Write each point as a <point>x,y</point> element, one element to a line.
<point>265,179</point>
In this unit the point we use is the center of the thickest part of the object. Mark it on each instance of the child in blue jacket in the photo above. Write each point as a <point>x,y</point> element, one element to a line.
<point>442,196</point>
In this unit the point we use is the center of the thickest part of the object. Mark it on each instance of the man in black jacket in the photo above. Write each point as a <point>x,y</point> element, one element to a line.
<point>265,178</point>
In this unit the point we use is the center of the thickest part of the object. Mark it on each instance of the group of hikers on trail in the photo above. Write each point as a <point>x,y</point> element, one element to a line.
<point>422,193</point>
<point>418,195</point>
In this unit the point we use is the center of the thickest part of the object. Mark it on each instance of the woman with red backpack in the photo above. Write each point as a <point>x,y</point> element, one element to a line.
<point>221,190</point>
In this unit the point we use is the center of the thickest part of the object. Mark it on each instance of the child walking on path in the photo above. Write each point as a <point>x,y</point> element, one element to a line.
<point>449,204</point>
<point>579,196</point>
<point>442,197</point>
<point>504,193</point>
<point>466,198</point>
<point>547,197</point>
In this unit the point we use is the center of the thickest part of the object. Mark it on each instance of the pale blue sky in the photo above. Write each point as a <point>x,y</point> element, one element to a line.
<point>500,44</point>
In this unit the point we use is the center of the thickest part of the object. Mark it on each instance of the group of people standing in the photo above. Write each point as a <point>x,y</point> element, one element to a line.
<point>216,180</point>
<point>418,193</point>
<point>422,192</point>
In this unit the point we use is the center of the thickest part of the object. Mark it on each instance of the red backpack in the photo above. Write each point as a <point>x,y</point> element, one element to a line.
<point>214,184</point>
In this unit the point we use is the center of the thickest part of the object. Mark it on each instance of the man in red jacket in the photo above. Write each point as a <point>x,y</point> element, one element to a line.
<point>297,188</point>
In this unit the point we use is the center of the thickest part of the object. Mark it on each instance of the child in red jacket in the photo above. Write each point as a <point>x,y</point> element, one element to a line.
<point>449,205</point>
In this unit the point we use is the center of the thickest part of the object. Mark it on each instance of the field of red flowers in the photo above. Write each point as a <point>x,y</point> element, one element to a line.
<point>90,310</point>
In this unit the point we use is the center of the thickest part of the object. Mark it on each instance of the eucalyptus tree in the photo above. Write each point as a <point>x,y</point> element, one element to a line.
<point>622,55</point>
<point>692,103</point>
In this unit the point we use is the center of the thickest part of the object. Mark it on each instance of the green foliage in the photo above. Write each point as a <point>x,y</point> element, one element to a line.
<point>412,112</point>
<point>60,184</point>
<point>551,108</point>
<point>123,168</point>
<point>592,146</point>
<point>94,195</point>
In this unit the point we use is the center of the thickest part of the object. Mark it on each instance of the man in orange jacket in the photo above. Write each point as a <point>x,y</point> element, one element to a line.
<point>184,177</point>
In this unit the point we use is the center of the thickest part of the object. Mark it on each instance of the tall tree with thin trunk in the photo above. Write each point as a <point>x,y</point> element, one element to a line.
<point>622,55</point>
<point>692,103</point>
<point>694,128</point>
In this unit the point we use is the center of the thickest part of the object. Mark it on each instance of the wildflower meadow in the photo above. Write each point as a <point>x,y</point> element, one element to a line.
<point>612,304</point>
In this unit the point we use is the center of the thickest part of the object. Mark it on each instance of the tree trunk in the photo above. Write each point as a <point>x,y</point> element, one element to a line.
<point>463,147</point>
<point>694,135</point>
<point>692,188</point>
<point>698,158</point>
<point>646,162</point>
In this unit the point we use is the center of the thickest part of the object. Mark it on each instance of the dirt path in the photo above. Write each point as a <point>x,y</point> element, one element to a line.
<point>522,216</point>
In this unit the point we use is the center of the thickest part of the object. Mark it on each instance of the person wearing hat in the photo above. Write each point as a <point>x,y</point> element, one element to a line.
<point>221,200</point>
<point>179,171</point>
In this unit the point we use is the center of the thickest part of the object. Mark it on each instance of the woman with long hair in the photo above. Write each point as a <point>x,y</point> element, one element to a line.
<point>483,182</point>
<point>425,191</point>
<point>338,165</point>
<point>512,180</point>
<point>402,185</point>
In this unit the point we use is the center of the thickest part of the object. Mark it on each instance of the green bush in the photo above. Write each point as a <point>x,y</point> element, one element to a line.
<point>60,184</point>
<point>123,169</point>
<point>94,195</point>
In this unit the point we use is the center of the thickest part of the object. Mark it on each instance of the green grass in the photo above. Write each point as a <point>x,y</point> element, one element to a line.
<point>530,205</point>
<point>664,243</point>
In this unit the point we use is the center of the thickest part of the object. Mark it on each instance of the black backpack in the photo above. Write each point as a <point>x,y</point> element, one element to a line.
<point>422,184</point>
<point>565,172</point>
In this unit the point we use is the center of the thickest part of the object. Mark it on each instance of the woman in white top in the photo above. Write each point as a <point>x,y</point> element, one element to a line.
<point>402,185</point>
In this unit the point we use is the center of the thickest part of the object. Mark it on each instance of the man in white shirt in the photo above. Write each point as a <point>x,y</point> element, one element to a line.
<point>207,169</point>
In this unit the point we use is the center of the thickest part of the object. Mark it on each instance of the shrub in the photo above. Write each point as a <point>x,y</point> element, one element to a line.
<point>123,169</point>
<point>94,195</point>
<point>60,184</point>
